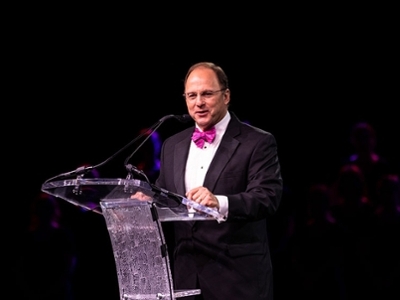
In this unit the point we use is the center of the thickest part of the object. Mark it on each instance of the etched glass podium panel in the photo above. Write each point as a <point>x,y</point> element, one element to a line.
<point>137,239</point>
<point>134,226</point>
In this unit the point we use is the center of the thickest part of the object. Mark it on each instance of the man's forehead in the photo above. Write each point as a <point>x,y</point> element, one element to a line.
<point>202,76</point>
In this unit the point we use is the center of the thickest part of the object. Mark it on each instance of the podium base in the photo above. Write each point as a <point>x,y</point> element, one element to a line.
<point>159,296</point>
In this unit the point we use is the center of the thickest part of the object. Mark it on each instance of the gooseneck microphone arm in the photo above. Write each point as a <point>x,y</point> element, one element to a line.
<point>83,170</point>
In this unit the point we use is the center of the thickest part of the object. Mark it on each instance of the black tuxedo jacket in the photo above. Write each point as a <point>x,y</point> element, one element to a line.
<point>231,259</point>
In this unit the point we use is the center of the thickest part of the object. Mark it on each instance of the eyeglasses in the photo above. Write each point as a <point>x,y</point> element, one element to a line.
<point>207,94</point>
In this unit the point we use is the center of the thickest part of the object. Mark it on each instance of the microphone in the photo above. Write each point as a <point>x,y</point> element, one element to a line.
<point>83,170</point>
<point>182,118</point>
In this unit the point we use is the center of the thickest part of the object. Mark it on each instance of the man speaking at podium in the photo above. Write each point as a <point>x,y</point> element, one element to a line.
<point>233,167</point>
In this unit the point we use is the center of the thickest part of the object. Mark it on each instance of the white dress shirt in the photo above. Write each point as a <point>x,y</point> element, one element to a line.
<point>199,160</point>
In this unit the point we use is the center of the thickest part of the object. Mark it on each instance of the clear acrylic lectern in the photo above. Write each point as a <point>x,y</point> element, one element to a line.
<point>134,226</point>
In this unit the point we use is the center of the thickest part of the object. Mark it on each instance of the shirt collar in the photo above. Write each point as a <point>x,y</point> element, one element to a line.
<point>221,126</point>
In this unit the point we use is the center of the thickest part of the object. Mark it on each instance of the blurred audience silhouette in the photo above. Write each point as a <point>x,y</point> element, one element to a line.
<point>316,250</point>
<point>95,274</point>
<point>147,157</point>
<point>385,244</point>
<point>343,239</point>
<point>353,212</point>
<point>364,196</point>
<point>46,258</point>
<point>363,139</point>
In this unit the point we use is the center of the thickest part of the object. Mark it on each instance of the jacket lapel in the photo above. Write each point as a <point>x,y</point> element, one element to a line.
<point>180,155</point>
<point>224,153</point>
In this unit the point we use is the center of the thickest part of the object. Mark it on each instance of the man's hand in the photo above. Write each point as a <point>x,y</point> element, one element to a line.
<point>140,196</point>
<point>203,196</point>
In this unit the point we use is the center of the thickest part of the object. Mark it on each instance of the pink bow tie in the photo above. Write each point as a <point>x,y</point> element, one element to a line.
<point>200,137</point>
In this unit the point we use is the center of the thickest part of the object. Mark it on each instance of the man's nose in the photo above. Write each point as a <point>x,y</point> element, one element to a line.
<point>199,100</point>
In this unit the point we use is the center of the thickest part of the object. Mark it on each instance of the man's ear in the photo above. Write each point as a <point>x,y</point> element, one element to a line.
<point>227,96</point>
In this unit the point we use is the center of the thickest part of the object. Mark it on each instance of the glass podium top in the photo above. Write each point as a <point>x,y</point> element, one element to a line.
<point>89,192</point>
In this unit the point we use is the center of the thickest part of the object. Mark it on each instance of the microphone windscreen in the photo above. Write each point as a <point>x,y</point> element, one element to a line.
<point>184,118</point>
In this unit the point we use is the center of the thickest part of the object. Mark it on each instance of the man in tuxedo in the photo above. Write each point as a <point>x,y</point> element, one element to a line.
<point>235,170</point>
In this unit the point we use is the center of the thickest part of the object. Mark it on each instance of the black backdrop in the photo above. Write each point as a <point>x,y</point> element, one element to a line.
<point>85,109</point>
<point>79,96</point>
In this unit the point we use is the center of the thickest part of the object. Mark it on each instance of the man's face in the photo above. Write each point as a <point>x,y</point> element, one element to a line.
<point>207,104</point>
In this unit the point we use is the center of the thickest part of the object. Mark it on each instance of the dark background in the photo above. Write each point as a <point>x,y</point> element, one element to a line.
<point>81,93</point>
<point>86,105</point>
